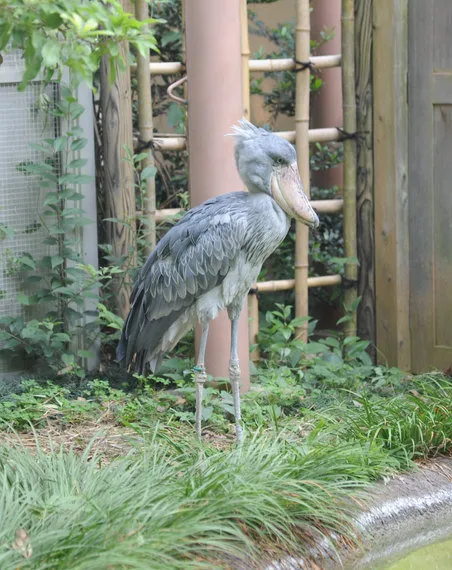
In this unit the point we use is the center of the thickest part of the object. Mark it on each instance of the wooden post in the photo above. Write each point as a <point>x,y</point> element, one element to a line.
<point>245,53</point>
<point>390,136</point>
<point>253,302</point>
<point>349,102</point>
<point>364,176</point>
<point>116,106</point>
<point>214,105</point>
<point>302,51</point>
<point>146,128</point>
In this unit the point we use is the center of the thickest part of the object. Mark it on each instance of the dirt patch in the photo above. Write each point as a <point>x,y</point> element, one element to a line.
<point>104,437</point>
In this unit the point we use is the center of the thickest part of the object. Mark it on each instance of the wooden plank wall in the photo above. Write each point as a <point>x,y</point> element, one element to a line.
<point>364,182</point>
<point>390,64</point>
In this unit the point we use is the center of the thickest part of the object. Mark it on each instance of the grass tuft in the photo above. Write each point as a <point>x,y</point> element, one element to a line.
<point>195,509</point>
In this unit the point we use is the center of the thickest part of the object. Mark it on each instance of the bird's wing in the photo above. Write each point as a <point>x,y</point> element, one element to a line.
<point>191,259</point>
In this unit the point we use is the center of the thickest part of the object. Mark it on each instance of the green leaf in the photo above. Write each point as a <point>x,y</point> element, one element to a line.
<point>56,260</point>
<point>175,115</point>
<point>51,53</point>
<point>32,279</point>
<point>79,144</point>
<point>85,354</point>
<point>298,321</point>
<point>207,412</point>
<point>68,359</point>
<point>51,199</point>
<point>24,299</point>
<point>53,20</point>
<point>28,261</point>
<point>5,33</point>
<point>75,178</point>
<point>286,334</point>
<point>148,172</point>
<point>59,143</point>
<point>50,240</point>
<point>78,163</point>
<point>314,348</point>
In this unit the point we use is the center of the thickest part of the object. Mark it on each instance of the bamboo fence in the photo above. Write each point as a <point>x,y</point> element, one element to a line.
<point>302,136</point>
<point>146,127</point>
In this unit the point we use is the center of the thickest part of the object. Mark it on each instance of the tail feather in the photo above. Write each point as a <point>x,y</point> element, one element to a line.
<point>141,344</point>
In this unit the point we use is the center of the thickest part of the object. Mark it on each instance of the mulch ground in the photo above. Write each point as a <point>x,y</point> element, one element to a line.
<point>103,436</point>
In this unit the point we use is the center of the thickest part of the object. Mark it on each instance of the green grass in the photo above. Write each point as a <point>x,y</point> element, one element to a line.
<point>184,506</point>
<point>310,452</point>
<point>412,425</point>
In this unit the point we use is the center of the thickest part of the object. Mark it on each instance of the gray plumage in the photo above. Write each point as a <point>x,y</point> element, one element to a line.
<point>209,260</point>
<point>229,235</point>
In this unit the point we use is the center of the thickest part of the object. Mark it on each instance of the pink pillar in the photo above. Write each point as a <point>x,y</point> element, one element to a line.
<point>214,105</point>
<point>326,106</point>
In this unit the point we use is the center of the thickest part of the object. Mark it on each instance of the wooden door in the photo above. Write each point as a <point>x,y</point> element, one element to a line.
<point>430,182</point>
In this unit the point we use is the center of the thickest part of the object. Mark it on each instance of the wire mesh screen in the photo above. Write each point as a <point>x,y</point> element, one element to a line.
<point>23,122</point>
<point>25,119</point>
<point>13,60</point>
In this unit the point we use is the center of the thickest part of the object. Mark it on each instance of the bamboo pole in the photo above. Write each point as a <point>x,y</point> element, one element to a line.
<point>287,284</point>
<point>254,65</point>
<point>163,67</point>
<point>288,64</point>
<point>328,206</point>
<point>168,213</point>
<point>146,128</point>
<point>315,135</point>
<point>302,53</point>
<point>349,103</point>
<point>172,143</point>
<point>320,206</point>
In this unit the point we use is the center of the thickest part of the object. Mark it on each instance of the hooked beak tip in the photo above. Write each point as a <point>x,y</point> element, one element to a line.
<point>315,223</point>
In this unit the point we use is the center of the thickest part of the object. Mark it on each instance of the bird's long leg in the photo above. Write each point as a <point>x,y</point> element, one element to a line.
<point>234,377</point>
<point>200,377</point>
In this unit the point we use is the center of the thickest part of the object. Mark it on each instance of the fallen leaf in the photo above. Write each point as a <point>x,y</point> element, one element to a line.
<point>22,543</point>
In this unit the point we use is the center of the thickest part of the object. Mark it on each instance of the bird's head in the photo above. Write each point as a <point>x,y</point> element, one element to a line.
<point>267,163</point>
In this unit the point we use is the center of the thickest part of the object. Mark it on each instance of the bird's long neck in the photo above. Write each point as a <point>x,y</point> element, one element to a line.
<point>268,225</point>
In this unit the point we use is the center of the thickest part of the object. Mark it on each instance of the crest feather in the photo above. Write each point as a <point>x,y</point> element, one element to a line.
<point>247,130</point>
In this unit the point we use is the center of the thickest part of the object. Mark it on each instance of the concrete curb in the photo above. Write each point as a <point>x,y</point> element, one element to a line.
<point>403,514</point>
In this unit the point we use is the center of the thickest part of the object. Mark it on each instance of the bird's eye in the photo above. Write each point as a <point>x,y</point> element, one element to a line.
<point>279,161</point>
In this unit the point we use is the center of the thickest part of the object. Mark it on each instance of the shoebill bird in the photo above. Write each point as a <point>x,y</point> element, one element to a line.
<point>209,260</point>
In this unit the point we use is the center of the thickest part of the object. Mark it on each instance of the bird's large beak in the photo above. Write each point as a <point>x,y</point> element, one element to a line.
<point>287,190</point>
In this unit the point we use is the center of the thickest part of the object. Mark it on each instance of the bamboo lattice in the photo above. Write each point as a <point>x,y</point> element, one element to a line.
<point>302,136</point>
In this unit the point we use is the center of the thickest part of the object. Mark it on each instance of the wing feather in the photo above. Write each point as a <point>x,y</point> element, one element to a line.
<point>190,260</point>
